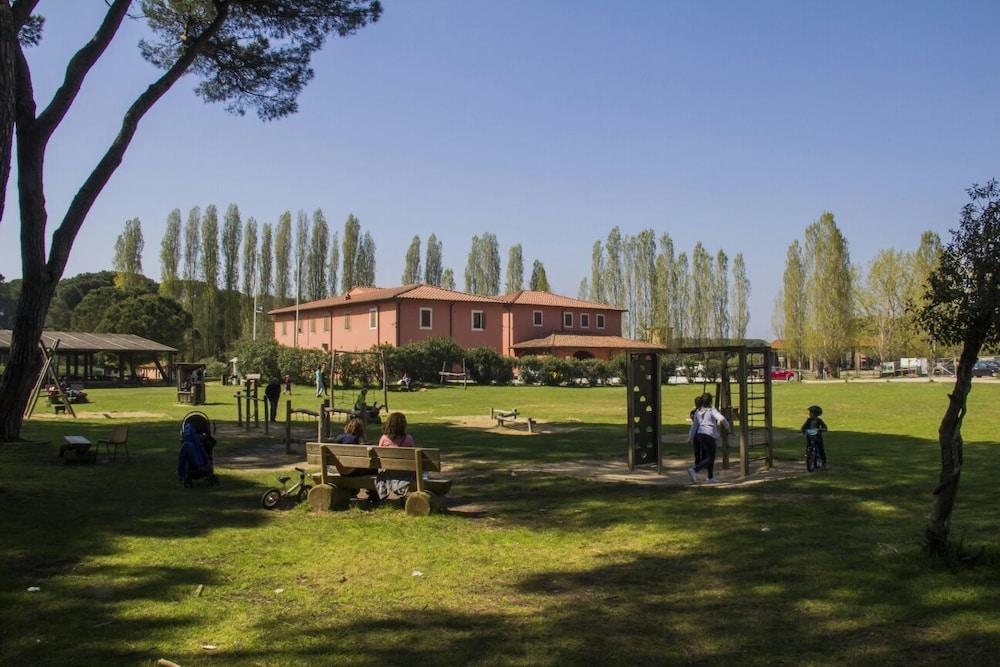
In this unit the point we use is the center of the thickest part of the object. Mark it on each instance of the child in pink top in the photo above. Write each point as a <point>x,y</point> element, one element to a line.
<point>394,435</point>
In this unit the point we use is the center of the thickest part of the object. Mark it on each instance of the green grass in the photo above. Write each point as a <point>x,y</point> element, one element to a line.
<point>821,569</point>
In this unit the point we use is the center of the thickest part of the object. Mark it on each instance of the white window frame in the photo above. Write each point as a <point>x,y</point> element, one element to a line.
<point>567,317</point>
<point>600,320</point>
<point>584,320</point>
<point>482,320</point>
<point>430,319</point>
<point>540,321</point>
<point>347,321</point>
<point>373,318</point>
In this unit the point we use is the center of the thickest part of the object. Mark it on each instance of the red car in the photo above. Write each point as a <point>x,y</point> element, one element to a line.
<point>782,374</point>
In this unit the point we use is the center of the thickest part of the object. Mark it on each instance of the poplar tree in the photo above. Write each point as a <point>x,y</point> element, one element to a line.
<point>926,259</point>
<point>266,264</point>
<point>283,258</point>
<point>884,299</point>
<point>432,265</point>
<point>364,270</point>
<point>128,256</point>
<point>702,284</point>
<point>539,282</point>
<point>583,291</point>
<point>491,264</point>
<point>644,283</point>
<point>232,232</point>
<point>411,267</point>
<point>334,264</point>
<point>250,277</point>
<point>473,268</point>
<point>614,285</point>
<point>598,293</point>
<point>210,247</point>
<point>680,290</point>
<point>352,235</point>
<point>301,254</point>
<point>515,269</point>
<point>720,297</point>
<point>829,329</point>
<point>170,256</point>
<point>741,298</point>
<point>192,253</point>
<point>663,316</point>
<point>448,279</point>
<point>794,304</point>
<point>316,273</point>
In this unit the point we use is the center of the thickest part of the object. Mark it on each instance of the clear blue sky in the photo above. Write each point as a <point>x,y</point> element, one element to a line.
<point>736,124</point>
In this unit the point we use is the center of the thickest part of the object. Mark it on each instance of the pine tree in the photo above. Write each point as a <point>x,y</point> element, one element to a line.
<point>128,256</point>
<point>170,256</point>
<point>352,235</point>
<point>598,294</point>
<point>334,263</point>
<point>741,298</point>
<point>515,269</point>
<point>283,258</point>
<point>411,268</point>
<point>793,306</point>
<point>720,297</point>
<point>432,266</point>
<point>448,279</point>
<point>316,273</point>
<point>539,282</point>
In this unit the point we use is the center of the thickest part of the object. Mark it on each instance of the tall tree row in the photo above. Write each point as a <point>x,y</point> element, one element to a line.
<point>316,275</point>
<point>482,267</point>
<point>515,269</point>
<point>229,299</point>
<point>170,257</point>
<point>411,264</point>
<point>433,268</point>
<point>334,266</point>
<point>283,258</point>
<point>349,256</point>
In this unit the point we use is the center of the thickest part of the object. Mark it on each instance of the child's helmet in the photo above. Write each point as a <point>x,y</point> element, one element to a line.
<point>815,410</point>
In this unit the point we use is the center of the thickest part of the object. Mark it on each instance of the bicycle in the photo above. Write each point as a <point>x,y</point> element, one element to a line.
<point>813,461</point>
<point>274,497</point>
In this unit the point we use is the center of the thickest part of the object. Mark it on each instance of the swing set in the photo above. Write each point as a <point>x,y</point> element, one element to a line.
<point>353,376</point>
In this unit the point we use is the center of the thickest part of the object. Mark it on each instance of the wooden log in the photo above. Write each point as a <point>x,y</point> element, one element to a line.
<point>321,498</point>
<point>341,499</point>
<point>418,503</point>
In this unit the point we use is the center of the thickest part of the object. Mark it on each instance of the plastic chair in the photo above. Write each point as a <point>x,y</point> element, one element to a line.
<point>119,436</point>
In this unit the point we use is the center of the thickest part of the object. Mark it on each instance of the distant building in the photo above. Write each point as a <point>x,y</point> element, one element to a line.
<point>514,325</point>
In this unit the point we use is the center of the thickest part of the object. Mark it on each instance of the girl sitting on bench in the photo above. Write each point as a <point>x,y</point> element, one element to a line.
<point>394,435</point>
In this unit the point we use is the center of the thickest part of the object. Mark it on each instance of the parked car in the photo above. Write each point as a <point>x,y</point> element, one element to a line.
<point>985,369</point>
<point>782,374</point>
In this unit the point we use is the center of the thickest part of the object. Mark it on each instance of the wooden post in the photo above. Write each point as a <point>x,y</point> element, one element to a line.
<point>239,408</point>
<point>246,397</point>
<point>267,415</point>
<point>768,362</point>
<point>418,467</point>
<point>744,415</point>
<point>256,406</point>
<point>288,426</point>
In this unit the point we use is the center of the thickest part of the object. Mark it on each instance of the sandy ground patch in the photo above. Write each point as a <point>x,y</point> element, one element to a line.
<point>484,422</point>
<point>103,415</point>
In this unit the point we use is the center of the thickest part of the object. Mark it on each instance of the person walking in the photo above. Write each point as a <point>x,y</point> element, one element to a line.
<point>321,382</point>
<point>705,428</point>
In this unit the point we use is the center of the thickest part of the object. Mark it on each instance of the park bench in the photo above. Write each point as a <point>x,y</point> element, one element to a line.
<point>504,417</point>
<point>334,489</point>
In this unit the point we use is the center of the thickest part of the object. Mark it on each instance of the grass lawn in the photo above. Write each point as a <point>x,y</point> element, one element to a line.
<point>820,569</point>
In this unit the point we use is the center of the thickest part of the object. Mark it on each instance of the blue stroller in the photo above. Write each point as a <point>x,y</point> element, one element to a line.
<point>195,460</point>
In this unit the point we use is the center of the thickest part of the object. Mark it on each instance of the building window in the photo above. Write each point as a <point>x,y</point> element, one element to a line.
<point>426,318</point>
<point>568,320</point>
<point>312,325</point>
<point>284,327</point>
<point>600,320</point>
<point>584,320</point>
<point>478,320</point>
<point>326,324</point>
<point>536,318</point>
<point>347,321</point>
<point>373,318</point>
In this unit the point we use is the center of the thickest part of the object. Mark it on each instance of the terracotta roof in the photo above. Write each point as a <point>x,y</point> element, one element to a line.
<point>77,341</point>
<point>432,293</point>
<point>356,295</point>
<point>534,298</point>
<point>583,340</point>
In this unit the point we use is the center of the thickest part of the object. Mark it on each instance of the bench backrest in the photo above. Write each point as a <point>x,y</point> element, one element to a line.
<point>407,459</point>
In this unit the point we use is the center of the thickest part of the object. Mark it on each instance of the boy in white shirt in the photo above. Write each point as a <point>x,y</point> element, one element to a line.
<point>705,424</point>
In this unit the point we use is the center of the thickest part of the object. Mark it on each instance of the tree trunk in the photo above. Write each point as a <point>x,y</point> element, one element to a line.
<point>8,58</point>
<point>25,361</point>
<point>950,441</point>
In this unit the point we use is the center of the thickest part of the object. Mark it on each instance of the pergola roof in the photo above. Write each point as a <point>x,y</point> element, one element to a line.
<point>77,341</point>
<point>558,340</point>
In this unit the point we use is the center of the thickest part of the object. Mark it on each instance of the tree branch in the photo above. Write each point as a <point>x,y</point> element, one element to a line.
<point>79,65</point>
<point>63,237</point>
<point>21,10</point>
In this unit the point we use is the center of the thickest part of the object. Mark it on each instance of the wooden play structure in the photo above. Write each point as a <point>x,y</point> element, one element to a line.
<point>512,418</point>
<point>57,397</point>
<point>334,490</point>
<point>190,382</point>
<point>447,376</point>
<point>349,400</point>
<point>742,393</point>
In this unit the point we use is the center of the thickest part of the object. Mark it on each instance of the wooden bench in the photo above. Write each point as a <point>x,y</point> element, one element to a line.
<point>504,417</point>
<point>334,489</point>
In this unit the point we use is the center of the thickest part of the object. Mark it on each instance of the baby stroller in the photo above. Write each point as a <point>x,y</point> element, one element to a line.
<point>195,460</point>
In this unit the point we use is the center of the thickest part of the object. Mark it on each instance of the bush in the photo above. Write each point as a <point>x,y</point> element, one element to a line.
<point>595,371</point>
<point>423,360</point>
<point>529,368</point>
<point>486,366</point>
<point>618,367</point>
<point>555,371</point>
<point>214,368</point>
<point>300,364</point>
<point>258,356</point>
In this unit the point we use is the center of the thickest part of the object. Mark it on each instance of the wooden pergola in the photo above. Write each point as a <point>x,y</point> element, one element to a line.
<point>76,355</point>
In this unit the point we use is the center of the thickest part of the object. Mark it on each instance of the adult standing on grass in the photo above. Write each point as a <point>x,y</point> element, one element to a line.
<point>705,425</point>
<point>272,392</point>
<point>320,382</point>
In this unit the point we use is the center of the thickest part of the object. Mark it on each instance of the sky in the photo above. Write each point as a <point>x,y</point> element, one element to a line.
<point>735,124</point>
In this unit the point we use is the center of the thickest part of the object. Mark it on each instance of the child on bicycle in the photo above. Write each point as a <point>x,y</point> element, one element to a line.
<point>813,429</point>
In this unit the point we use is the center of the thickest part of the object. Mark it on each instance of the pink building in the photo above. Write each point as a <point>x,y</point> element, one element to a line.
<point>517,324</point>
